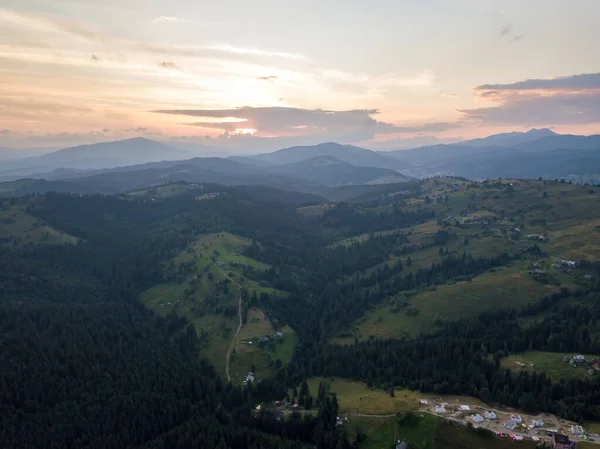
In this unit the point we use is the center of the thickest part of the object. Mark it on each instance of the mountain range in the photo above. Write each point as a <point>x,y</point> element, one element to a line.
<point>113,167</point>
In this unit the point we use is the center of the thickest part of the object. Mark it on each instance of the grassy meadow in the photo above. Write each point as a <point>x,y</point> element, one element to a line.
<point>216,274</point>
<point>551,363</point>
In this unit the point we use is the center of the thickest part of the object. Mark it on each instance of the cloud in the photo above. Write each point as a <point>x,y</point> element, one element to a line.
<point>567,83</point>
<point>270,78</point>
<point>518,38</point>
<point>139,129</point>
<point>255,52</point>
<point>171,19</point>
<point>169,65</point>
<point>505,31</point>
<point>571,99</point>
<point>348,125</point>
<point>95,58</point>
<point>448,95</point>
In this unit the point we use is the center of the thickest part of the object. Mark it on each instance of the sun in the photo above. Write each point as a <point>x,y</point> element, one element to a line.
<point>250,131</point>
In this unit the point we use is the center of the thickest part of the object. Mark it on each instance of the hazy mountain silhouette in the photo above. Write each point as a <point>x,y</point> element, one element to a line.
<point>330,171</point>
<point>349,154</point>
<point>509,139</point>
<point>98,155</point>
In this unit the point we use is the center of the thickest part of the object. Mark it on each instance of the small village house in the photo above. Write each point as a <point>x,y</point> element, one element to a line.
<point>577,430</point>
<point>560,441</point>
<point>516,418</point>
<point>537,423</point>
<point>490,415</point>
<point>477,418</point>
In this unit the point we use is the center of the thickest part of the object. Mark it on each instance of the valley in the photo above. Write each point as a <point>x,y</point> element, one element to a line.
<point>273,287</point>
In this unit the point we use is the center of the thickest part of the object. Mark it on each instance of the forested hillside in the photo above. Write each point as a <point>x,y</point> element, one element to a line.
<point>134,320</point>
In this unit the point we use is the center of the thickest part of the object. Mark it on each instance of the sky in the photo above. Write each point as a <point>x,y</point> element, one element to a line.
<point>259,75</point>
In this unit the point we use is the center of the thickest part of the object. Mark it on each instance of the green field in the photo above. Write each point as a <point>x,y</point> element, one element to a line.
<point>505,287</point>
<point>313,211</point>
<point>425,431</point>
<point>480,221</point>
<point>165,191</point>
<point>355,397</point>
<point>211,274</point>
<point>18,228</point>
<point>551,363</point>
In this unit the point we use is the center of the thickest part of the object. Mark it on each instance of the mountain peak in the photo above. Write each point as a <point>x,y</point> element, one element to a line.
<point>541,132</point>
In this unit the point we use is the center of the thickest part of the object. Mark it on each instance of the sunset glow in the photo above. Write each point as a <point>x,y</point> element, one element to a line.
<point>77,75</point>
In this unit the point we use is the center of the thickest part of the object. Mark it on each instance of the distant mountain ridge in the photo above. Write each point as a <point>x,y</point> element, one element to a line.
<point>330,171</point>
<point>537,153</point>
<point>137,150</point>
<point>349,154</point>
<point>509,139</point>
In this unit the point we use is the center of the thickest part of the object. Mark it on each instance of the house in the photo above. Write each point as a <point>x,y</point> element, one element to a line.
<point>596,365</point>
<point>562,442</point>
<point>440,409</point>
<point>537,423</point>
<point>517,230</point>
<point>536,266</point>
<point>477,418</point>
<point>516,418</point>
<point>249,378</point>
<point>490,415</point>
<point>578,359</point>
<point>465,408</point>
<point>401,445</point>
<point>511,424</point>
<point>264,340</point>
<point>588,277</point>
<point>424,401</point>
<point>577,430</point>
<point>536,273</point>
<point>279,334</point>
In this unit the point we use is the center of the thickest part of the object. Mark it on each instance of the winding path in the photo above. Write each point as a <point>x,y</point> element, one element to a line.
<point>228,355</point>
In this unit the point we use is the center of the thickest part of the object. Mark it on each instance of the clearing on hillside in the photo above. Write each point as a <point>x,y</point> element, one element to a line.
<point>18,228</point>
<point>557,366</point>
<point>419,312</point>
<point>203,284</point>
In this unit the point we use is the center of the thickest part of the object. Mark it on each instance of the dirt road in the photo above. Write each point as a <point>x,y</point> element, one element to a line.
<point>228,355</point>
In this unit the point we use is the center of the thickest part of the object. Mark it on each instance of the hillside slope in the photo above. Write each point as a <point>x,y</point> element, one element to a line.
<point>330,171</point>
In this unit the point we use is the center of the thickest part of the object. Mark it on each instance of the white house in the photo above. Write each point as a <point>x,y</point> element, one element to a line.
<point>577,430</point>
<point>516,418</point>
<point>490,415</point>
<point>440,409</point>
<point>477,418</point>
<point>510,424</point>
<point>465,408</point>
<point>578,359</point>
<point>537,423</point>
